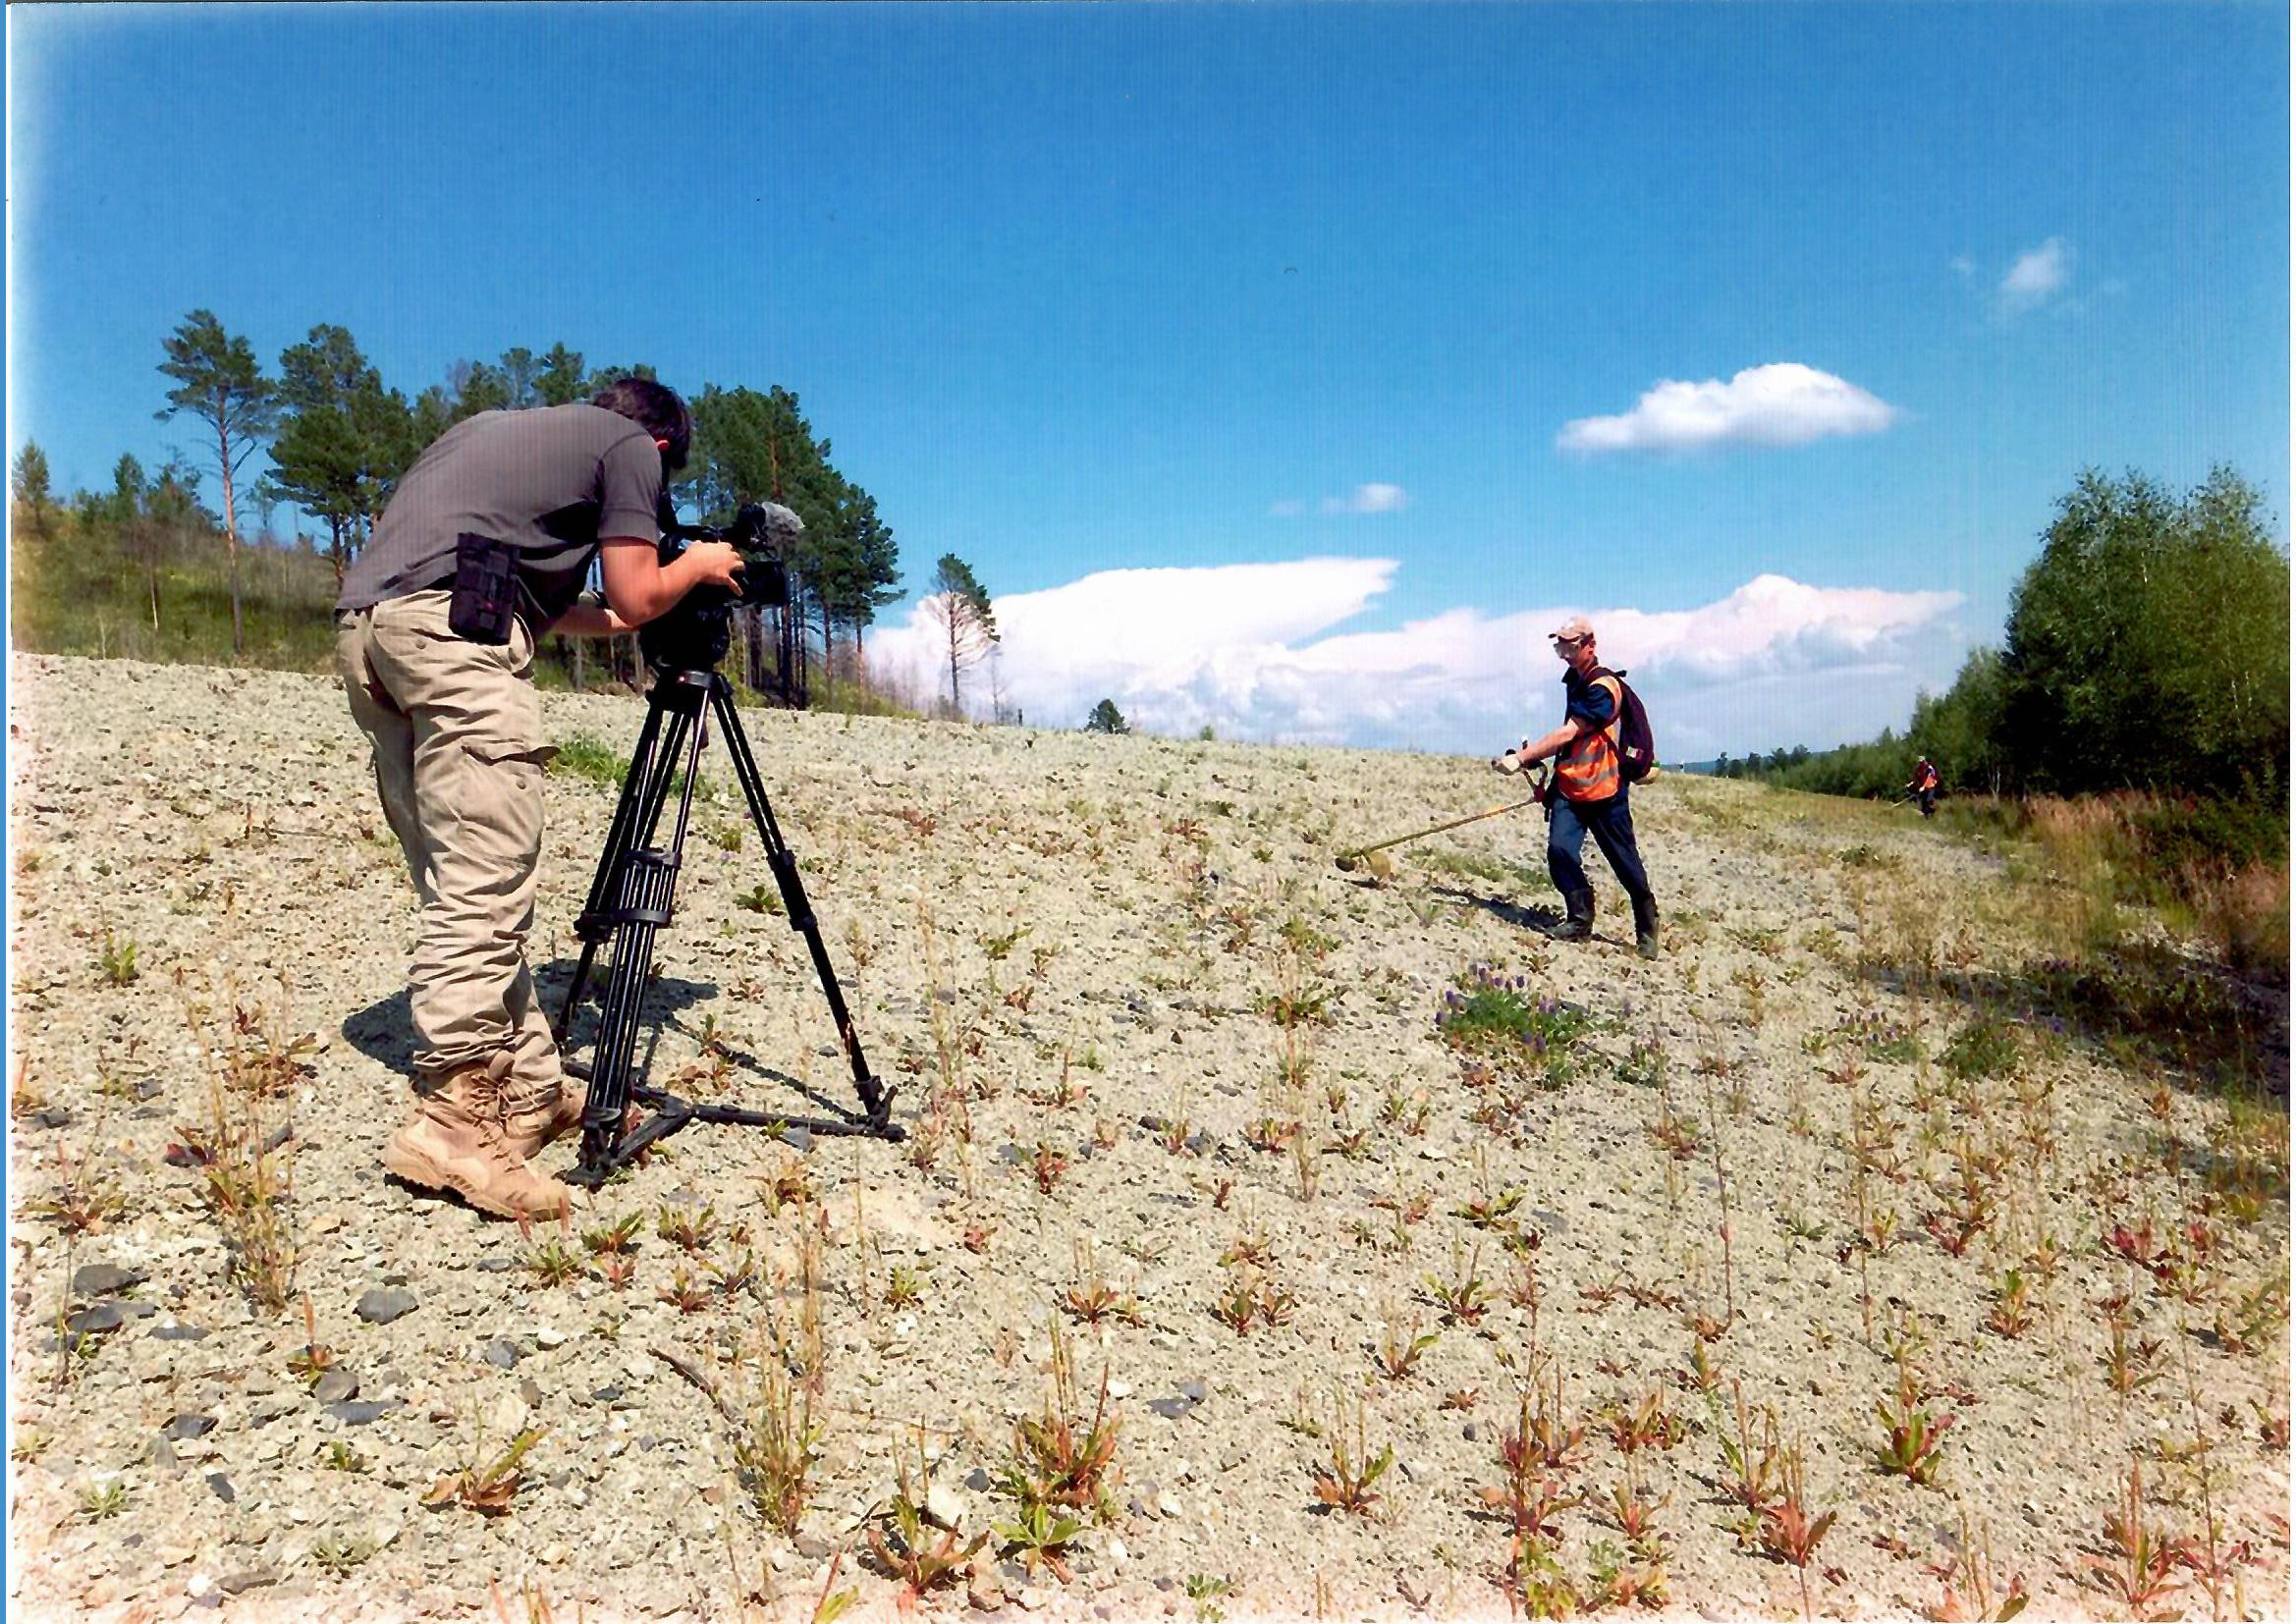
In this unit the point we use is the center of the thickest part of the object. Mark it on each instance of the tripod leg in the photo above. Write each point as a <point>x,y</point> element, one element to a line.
<point>632,810</point>
<point>644,903</point>
<point>876,1099</point>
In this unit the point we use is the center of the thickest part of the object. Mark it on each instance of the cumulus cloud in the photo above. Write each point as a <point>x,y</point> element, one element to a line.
<point>1260,651</point>
<point>2038,277</point>
<point>1783,403</point>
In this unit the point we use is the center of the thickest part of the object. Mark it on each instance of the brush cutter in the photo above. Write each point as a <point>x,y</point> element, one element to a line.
<point>1374,856</point>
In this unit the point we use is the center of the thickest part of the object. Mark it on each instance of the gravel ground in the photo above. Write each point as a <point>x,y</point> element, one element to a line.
<point>1073,956</point>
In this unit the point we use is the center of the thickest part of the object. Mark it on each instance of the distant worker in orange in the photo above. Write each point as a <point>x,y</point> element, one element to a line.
<point>1923,784</point>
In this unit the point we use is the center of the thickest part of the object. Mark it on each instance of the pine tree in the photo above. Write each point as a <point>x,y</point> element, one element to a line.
<point>218,381</point>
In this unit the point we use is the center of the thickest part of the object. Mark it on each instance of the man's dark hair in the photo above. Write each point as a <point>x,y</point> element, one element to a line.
<point>656,408</point>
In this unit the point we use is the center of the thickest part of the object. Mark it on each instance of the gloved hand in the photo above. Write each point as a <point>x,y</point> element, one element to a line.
<point>1512,761</point>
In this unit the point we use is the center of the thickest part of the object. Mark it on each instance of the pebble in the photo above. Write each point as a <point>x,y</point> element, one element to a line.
<point>502,1353</point>
<point>363,1412</point>
<point>380,1307</point>
<point>548,1336</point>
<point>191,1426</point>
<point>175,1331</point>
<point>336,1386</point>
<point>221,1488</point>
<point>94,1321</point>
<point>104,1279</point>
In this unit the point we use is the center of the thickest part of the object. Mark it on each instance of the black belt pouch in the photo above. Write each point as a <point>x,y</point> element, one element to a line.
<point>486,589</point>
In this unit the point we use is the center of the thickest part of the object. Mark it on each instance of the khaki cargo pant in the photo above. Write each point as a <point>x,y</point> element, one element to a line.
<point>458,758</point>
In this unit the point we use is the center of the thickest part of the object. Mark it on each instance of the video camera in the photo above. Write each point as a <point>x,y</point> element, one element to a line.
<point>695,633</point>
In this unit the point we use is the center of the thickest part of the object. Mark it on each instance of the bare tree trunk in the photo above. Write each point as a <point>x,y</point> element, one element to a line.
<point>231,542</point>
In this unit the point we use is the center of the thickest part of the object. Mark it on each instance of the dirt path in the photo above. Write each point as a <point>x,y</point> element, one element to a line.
<point>1104,974</point>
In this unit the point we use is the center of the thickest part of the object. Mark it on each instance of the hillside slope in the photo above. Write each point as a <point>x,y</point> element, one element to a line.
<point>1145,1035</point>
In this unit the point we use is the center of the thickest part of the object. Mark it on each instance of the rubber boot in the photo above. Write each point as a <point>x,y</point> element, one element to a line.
<point>1578,918</point>
<point>532,1123</point>
<point>1646,927</point>
<point>455,1141</point>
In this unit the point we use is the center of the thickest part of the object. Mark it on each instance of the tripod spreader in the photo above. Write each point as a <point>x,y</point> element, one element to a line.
<point>632,897</point>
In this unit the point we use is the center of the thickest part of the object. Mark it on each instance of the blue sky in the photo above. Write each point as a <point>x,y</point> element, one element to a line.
<point>1169,290</point>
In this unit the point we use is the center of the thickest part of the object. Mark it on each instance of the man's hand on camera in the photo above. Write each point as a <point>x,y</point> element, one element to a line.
<point>715,564</point>
<point>639,587</point>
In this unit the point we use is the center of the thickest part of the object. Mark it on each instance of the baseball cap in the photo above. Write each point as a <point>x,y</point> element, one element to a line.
<point>1575,630</point>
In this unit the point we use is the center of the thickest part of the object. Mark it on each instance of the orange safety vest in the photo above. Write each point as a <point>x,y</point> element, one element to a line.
<point>1588,768</point>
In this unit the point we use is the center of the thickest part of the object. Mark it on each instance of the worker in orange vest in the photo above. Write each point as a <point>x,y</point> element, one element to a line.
<point>1588,794</point>
<point>1923,784</point>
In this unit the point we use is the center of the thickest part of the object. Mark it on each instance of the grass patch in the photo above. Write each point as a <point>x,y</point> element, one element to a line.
<point>1984,1048</point>
<point>586,758</point>
<point>1488,1011</point>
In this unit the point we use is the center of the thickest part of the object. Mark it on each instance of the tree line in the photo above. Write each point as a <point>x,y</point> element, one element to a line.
<point>336,440</point>
<point>2146,648</point>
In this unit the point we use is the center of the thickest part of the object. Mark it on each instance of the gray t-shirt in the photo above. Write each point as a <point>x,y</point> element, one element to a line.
<point>551,482</point>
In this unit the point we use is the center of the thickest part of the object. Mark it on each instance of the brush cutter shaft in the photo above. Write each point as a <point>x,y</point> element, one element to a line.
<point>1422,833</point>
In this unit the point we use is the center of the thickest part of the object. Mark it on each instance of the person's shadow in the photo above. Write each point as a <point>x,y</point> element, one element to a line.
<point>1500,908</point>
<point>384,1031</point>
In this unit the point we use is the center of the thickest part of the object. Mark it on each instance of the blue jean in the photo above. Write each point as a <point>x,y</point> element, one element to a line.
<point>1612,828</point>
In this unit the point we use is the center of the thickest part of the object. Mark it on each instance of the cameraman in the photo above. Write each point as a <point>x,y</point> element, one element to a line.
<point>482,550</point>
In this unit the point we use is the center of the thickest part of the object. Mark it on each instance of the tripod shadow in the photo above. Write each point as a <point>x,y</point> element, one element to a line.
<point>1509,914</point>
<point>666,999</point>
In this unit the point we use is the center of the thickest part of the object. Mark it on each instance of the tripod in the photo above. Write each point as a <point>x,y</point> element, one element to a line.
<point>632,899</point>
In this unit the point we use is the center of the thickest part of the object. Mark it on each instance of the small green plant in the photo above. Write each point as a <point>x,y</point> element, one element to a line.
<point>338,1556</point>
<point>609,1239</point>
<point>1788,1532</point>
<point>487,1486</point>
<point>1913,1446</point>
<point>1347,1483</point>
<point>1205,1590</point>
<point>685,1228</point>
<point>2142,1571</point>
<point>1063,1459</point>
<point>759,899</point>
<point>102,1501</point>
<point>554,1263</point>
<point>340,1456</point>
<point>773,1455</point>
<point>117,959</point>
<point>1399,1354</point>
<point>900,1543</point>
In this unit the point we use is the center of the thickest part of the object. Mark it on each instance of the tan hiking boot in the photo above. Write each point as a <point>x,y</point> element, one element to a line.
<point>536,1123</point>
<point>455,1141</point>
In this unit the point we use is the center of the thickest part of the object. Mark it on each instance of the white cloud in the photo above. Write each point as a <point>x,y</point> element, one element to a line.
<point>2039,276</point>
<point>1963,266</point>
<point>1783,403</point>
<point>1367,499</point>
<point>1254,651</point>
